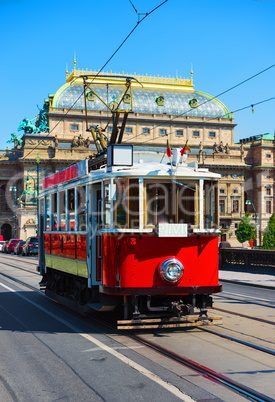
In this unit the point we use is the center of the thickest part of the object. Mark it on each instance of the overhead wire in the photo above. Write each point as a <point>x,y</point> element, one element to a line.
<point>208,100</point>
<point>110,58</point>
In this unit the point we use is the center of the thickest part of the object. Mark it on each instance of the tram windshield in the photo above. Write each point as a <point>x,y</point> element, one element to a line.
<point>171,202</point>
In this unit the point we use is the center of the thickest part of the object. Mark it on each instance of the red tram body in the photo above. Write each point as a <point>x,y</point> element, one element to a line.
<point>141,239</point>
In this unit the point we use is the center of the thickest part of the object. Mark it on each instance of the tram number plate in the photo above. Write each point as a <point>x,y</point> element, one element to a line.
<point>172,230</point>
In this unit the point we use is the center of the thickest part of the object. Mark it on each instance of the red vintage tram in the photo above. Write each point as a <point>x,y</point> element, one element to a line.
<point>139,238</point>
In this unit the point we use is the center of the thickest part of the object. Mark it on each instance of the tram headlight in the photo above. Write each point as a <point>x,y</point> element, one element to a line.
<point>171,270</point>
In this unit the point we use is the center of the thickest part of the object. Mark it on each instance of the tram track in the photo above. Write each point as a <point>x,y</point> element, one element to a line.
<point>262,320</point>
<point>206,372</point>
<point>195,366</point>
<point>248,299</point>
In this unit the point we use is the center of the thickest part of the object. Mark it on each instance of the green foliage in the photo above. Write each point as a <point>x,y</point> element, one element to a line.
<point>245,231</point>
<point>269,234</point>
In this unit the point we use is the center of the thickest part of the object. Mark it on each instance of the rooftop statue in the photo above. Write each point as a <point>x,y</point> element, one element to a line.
<point>42,120</point>
<point>15,140</point>
<point>27,126</point>
<point>41,125</point>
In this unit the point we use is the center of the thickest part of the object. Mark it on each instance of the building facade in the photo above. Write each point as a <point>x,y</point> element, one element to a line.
<point>163,109</point>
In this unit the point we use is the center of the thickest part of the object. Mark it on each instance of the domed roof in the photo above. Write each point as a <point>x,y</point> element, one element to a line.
<point>173,101</point>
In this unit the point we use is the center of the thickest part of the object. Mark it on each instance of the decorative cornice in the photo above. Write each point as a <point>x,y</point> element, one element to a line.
<point>144,79</point>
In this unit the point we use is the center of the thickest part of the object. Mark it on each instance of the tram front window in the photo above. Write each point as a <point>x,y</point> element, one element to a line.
<point>173,202</point>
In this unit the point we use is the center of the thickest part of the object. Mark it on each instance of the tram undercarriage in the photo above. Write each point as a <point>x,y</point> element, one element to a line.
<point>138,311</point>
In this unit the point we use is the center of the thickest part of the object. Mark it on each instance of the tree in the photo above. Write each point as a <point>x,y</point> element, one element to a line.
<point>269,234</point>
<point>245,231</point>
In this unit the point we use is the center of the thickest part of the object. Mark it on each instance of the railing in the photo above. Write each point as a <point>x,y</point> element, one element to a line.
<point>247,260</point>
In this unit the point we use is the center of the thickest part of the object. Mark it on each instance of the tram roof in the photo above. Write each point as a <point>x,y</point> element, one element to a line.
<point>147,170</point>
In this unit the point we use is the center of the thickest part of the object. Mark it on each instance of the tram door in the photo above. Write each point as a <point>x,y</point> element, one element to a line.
<point>96,235</point>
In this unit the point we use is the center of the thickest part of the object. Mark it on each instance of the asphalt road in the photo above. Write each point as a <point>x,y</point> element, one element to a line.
<point>48,353</point>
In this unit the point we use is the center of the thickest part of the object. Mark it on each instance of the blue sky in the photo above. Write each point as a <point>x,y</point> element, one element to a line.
<point>226,42</point>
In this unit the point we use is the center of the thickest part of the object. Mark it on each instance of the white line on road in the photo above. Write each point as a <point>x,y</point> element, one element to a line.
<point>169,387</point>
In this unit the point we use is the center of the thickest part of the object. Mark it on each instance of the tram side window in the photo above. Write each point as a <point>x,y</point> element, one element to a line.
<point>107,205</point>
<point>62,210</point>
<point>71,209</point>
<point>126,205</point>
<point>54,211</point>
<point>47,212</point>
<point>210,196</point>
<point>82,208</point>
<point>41,215</point>
<point>133,196</point>
<point>121,203</point>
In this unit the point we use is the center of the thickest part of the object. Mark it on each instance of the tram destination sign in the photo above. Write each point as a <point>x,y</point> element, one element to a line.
<point>71,172</point>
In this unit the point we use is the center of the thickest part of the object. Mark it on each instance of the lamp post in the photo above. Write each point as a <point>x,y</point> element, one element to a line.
<point>14,189</point>
<point>37,190</point>
<point>249,202</point>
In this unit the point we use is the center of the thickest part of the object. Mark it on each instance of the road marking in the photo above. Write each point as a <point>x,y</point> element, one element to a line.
<point>114,347</point>
<point>169,387</point>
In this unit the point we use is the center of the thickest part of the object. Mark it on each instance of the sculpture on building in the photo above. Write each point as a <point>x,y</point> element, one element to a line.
<point>87,142</point>
<point>221,147</point>
<point>27,126</point>
<point>15,140</point>
<point>80,141</point>
<point>42,122</point>
<point>242,149</point>
<point>227,149</point>
<point>55,142</point>
<point>74,142</point>
<point>215,148</point>
<point>40,125</point>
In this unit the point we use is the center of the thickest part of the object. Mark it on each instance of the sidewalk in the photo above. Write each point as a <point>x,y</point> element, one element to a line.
<point>248,278</point>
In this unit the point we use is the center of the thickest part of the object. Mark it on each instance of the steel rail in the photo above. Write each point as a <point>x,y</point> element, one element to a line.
<point>211,374</point>
<point>263,320</point>
<point>23,269</point>
<point>232,338</point>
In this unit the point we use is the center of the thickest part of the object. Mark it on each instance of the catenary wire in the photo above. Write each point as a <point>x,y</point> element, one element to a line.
<point>110,58</point>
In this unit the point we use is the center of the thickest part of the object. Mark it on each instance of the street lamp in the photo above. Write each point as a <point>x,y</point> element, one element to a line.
<point>37,190</point>
<point>249,202</point>
<point>14,189</point>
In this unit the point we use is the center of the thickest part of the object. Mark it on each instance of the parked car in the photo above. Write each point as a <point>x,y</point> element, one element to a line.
<point>4,247</point>
<point>11,244</point>
<point>19,247</point>
<point>2,244</point>
<point>31,246</point>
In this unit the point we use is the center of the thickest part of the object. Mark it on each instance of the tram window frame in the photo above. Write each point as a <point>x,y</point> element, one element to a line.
<point>176,212</point>
<point>107,205</point>
<point>62,211</point>
<point>54,212</point>
<point>41,214</point>
<point>126,203</point>
<point>47,213</point>
<point>210,204</point>
<point>71,209</point>
<point>82,208</point>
